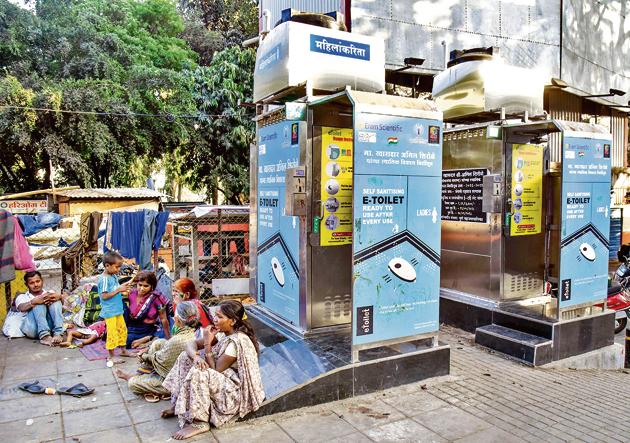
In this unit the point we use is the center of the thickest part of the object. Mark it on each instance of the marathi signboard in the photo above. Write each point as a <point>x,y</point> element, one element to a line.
<point>462,195</point>
<point>527,178</point>
<point>24,206</point>
<point>396,244</point>
<point>336,187</point>
<point>585,220</point>
<point>278,235</point>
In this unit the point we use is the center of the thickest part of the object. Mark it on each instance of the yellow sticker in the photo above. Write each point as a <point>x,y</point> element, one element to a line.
<point>336,187</point>
<point>527,179</point>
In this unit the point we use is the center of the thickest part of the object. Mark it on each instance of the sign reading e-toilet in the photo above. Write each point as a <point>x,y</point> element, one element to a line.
<point>396,240</point>
<point>585,219</point>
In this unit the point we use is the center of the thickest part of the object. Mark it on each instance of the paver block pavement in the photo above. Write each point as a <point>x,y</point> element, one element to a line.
<point>442,422</point>
<point>405,430</point>
<point>315,427</point>
<point>94,420</point>
<point>256,433</point>
<point>93,378</point>
<point>490,435</point>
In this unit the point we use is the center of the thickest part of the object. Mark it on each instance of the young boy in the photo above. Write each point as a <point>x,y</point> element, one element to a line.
<point>110,293</point>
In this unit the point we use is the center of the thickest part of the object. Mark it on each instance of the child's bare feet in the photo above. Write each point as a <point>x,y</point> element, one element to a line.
<point>126,353</point>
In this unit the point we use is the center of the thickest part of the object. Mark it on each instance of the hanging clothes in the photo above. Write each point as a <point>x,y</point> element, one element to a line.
<point>136,234</point>
<point>32,224</point>
<point>7,232</point>
<point>22,258</point>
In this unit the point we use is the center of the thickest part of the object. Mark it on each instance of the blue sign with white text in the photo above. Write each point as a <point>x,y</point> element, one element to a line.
<point>585,221</point>
<point>342,48</point>
<point>397,227</point>
<point>278,235</point>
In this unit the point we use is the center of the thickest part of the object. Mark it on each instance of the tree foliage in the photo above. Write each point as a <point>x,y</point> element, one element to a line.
<point>108,90</point>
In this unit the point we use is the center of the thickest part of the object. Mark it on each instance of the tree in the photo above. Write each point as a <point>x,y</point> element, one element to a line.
<point>119,62</point>
<point>220,146</point>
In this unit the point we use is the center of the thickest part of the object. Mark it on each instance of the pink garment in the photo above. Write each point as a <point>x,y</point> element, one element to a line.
<point>98,327</point>
<point>135,305</point>
<point>21,253</point>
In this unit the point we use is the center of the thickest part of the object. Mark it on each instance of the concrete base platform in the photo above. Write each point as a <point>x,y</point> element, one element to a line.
<point>305,371</point>
<point>610,357</point>
<point>533,339</point>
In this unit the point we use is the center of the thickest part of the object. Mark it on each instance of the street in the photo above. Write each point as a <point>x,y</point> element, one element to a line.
<point>487,398</point>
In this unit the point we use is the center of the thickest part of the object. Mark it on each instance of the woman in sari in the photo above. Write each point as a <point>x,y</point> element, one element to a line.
<point>161,356</point>
<point>220,383</point>
<point>148,311</point>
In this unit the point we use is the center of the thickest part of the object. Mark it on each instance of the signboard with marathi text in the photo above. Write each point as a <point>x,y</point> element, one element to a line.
<point>585,229</point>
<point>396,239</point>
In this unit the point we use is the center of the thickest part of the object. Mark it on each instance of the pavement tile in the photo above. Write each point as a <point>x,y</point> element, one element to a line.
<point>98,419</point>
<point>32,370</point>
<point>357,437</point>
<point>308,428</point>
<point>93,378</point>
<point>78,365</point>
<point>405,430</point>
<point>442,420</point>
<point>416,403</point>
<point>256,433</point>
<point>29,407</point>
<point>142,411</point>
<point>123,435</point>
<point>10,391</point>
<point>365,414</point>
<point>103,395</point>
<point>43,428</point>
<point>490,435</point>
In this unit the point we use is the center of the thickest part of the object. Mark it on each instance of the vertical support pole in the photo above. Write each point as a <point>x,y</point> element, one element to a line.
<point>7,295</point>
<point>627,362</point>
<point>220,232</point>
<point>194,250</point>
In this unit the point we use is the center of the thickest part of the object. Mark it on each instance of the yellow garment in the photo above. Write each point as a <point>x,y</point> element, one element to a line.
<point>17,287</point>
<point>116,330</point>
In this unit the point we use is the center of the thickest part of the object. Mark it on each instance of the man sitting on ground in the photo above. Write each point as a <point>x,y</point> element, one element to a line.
<point>42,311</point>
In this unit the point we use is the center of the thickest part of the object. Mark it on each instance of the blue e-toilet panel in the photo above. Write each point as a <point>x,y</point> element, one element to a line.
<point>396,239</point>
<point>278,234</point>
<point>585,220</point>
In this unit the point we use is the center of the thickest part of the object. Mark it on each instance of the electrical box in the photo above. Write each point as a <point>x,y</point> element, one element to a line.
<point>295,197</point>
<point>492,193</point>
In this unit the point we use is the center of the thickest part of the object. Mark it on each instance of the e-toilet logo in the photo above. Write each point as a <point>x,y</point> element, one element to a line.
<point>365,320</point>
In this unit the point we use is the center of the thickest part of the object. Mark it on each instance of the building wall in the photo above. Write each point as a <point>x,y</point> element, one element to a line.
<point>595,46</point>
<point>275,7</point>
<point>526,31</point>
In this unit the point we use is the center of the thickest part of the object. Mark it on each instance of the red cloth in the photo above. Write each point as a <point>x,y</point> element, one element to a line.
<point>21,253</point>
<point>203,317</point>
<point>98,327</point>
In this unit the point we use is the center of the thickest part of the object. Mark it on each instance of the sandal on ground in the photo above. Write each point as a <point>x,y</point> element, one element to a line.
<point>165,397</point>
<point>152,398</point>
<point>32,387</point>
<point>78,390</point>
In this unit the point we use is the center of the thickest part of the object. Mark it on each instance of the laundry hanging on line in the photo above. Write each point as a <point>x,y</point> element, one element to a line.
<point>136,234</point>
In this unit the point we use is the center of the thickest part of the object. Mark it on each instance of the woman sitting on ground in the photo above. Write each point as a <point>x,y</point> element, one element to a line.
<point>161,356</point>
<point>184,290</point>
<point>220,383</point>
<point>147,309</point>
